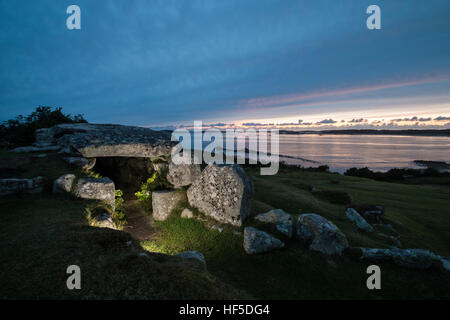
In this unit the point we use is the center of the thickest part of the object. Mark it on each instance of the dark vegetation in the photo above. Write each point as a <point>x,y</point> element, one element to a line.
<point>20,131</point>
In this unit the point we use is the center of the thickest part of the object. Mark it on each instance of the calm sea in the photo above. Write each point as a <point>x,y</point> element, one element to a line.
<point>376,152</point>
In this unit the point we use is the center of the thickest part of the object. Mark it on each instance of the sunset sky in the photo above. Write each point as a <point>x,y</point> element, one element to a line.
<point>294,64</point>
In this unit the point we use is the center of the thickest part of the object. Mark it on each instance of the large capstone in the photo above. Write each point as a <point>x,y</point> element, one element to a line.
<point>93,188</point>
<point>108,140</point>
<point>281,220</point>
<point>164,201</point>
<point>321,234</point>
<point>257,241</point>
<point>181,175</point>
<point>223,192</point>
<point>14,186</point>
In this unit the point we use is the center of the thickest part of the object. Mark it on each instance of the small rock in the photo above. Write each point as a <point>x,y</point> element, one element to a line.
<point>103,220</point>
<point>217,228</point>
<point>193,255</point>
<point>282,221</point>
<point>257,241</point>
<point>445,262</point>
<point>187,213</point>
<point>143,254</point>
<point>359,221</point>
<point>163,202</point>
<point>64,183</point>
<point>323,235</point>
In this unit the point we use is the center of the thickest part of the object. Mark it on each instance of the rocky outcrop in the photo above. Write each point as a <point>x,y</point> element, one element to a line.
<point>195,255</point>
<point>257,241</point>
<point>409,258</point>
<point>14,186</point>
<point>92,188</point>
<point>81,163</point>
<point>222,192</point>
<point>64,183</point>
<point>181,175</point>
<point>163,202</point>
<point>322,234</point>
<point>359,221</point>
<point>281,220</point>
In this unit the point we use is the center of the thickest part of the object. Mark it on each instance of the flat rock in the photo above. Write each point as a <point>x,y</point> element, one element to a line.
<point>257,241</point>
<point>36,149</point>
<point>321,233</point>
<point>14,186</point>
<point>181,175</point>
<point>408,258</point>
<point>109,140</point>
<point>223,192</point>
<point>64,183</point>
<point>282,221</point>
<point>163,202</point>
<point>359,221</point>
<point>96,188</point>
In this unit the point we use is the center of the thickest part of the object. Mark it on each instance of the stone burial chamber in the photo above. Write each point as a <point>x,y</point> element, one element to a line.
<point>130,155</point>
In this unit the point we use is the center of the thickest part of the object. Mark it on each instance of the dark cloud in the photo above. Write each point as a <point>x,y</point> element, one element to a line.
<point>442,118</point>
<point>326,121</point>
<point>360,120</point>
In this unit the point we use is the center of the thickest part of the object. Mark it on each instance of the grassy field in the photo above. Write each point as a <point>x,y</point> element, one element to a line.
<point>41,235</point>
<point>420,214</point>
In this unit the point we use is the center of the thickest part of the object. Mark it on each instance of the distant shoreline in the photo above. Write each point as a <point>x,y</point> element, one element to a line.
<point>431,132</point>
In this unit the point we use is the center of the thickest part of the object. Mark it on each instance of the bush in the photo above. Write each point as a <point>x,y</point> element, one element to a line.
<point>20,131</point>
<point>155,182</point>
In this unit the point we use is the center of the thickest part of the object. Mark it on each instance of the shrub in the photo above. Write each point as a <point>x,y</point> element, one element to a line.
<point>20,131</point>
<point>157,181</point>
<point>119,214</point>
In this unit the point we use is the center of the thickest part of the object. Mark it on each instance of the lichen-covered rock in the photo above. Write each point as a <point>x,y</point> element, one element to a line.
<point>322,234</point>
<point>92,188</point>
<point>223,192</point>
<point>187,213</point>
<point>64,183</point>
<point>181,175</point>
<point>408,258</point>
<point>282,221</point>
<point>14,186</point>
<point>163,202</point>
<point>257,241</point>
<point>198,256</point>
<point>81,163</point>
<point>108,140</point>
<point>161,167</point>
<point>359,221</point>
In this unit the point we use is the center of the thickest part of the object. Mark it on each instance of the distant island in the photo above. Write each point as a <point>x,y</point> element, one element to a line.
<point>409,132</point>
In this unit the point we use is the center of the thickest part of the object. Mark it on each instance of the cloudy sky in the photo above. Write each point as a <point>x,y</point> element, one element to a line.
<point>300,64</point>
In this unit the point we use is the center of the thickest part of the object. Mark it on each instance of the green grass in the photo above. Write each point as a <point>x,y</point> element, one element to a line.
<point>41,235</point>
<point>419,213</point>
